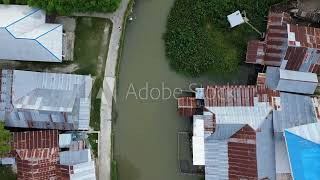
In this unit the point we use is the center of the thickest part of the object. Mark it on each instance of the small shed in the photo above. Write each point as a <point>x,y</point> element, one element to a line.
<point>235,19</point>
<point>291,81</point>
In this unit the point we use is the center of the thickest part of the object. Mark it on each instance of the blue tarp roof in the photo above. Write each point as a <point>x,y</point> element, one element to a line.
<point>304,156</point>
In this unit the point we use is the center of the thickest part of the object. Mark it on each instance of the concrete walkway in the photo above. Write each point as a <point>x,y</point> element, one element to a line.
<point>117,18</point>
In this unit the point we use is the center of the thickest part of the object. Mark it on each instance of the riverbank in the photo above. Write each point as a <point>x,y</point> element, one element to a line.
<point>146,131</point>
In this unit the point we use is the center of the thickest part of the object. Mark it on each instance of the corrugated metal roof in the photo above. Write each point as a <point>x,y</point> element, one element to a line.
<point>46,100</point>
<point>281,155</point>
<point>291,81</point>
<point>25,35</point>
<point>216,154</point>
<point>65,140</point>
<point>74,157</point>
<point>265,146</point>
<point>35,139</point>
<point>295,110</point>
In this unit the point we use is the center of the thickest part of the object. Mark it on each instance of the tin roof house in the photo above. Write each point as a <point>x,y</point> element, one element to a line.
<point>286,45</point>
<point>45,100</point>
<point>232,138</point>
<point>25,35</point>
<point>38,156</point>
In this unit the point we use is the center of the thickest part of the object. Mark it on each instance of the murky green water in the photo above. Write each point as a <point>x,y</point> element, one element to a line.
<point>146,130</point>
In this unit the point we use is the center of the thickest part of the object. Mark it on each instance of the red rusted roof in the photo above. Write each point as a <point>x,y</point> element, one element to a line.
<point>242,155</point>
<point>35,139</point>
<point>255,52</point>
<point>233,95</point>
<point>295,57</point>
<point>187,106</point>
<point>306,36</point>
<point>271,50</point>
<point>36,154</point>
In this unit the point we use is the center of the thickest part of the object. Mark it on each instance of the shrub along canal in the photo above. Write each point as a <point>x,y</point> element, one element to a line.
<point>146,130</point>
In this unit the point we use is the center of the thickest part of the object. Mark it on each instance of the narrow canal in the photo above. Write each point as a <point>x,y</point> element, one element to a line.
<point>146,131</point>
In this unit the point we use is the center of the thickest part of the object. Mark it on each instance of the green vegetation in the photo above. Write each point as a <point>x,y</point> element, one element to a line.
<point>96,104</point>
<point>93,138</point>
<point>7,173</point>
<point>5,137</point>
<point>88,34</point>
<point>114,170</point>
<point>68,7</point>
<point>199,39</point>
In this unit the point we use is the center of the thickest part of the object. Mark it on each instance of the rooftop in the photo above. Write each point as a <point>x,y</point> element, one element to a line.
<point>304,151</point>
<point>26,36</point>
<point>63,99</point>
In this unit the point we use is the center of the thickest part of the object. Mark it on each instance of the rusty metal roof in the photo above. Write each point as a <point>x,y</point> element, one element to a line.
<point>35,139</point>
<point>303,36</point>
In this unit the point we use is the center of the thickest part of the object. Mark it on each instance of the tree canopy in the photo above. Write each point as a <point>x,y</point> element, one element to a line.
<point>66,7</point>
<point>199,38</point>
<point>5,139</point>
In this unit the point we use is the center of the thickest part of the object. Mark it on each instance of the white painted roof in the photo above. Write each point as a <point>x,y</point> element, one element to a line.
<point>12,13</point>
<point>251,115</point>
<point>309,132</point>
<point>298,76</point>
<point>26,26</point>
<point>198,141</point>
<point>199,93</point>
<point>235,19</point>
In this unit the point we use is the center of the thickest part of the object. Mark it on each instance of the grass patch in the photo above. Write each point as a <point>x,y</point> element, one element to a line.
<point>88,34</point>
<point>199,38</point>
<point>92,140</point>
<point>114,170</point>
<point>7,173</point>
<point>96,104</point>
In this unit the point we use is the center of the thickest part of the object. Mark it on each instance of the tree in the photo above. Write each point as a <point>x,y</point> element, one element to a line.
<point>199,39</point>
<point>6,1</point>
<point>5,140</point>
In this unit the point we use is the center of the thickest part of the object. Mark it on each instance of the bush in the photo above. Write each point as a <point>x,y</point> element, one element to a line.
<point>199,38</point>
<point>66,7</point>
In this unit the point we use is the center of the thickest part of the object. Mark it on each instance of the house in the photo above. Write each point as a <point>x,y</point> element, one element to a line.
<point>240,132</point>
<point>45,100</point>
<point>232,137</point>
<point>295,110</point>
<point>25,35</point>
<point>286,45</point>
<point>39,156</point>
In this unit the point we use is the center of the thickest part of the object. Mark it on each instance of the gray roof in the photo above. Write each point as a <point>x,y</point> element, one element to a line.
<point>291,81</point>
<point>265,151</point>
<point>281,154</point>
<point>294,110</point>
<point>216,160</point>
<point>25,35</point>
<point>83,166</point>
<point>48,100</point>
<point>75,157</point>
<point>224,131</point>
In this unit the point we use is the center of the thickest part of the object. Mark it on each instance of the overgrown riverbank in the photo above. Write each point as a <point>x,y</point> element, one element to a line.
<point>199,38</point>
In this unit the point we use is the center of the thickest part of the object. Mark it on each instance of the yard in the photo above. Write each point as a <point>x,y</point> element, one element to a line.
<point>7,173</point>
<point>199,39</point>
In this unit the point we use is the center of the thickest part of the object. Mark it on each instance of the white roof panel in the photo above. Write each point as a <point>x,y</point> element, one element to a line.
<point>12,13</point>
<point>310,132</point>
<point>235,19</point>
<point>298,76</point>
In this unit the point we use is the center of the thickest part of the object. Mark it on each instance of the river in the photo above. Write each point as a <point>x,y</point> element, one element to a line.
<point>145,131</point>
